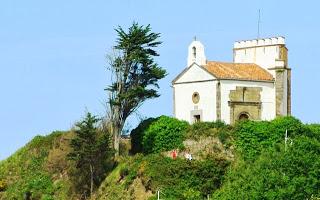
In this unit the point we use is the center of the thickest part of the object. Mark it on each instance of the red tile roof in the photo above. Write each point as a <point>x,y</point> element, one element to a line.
<point>238,71</point>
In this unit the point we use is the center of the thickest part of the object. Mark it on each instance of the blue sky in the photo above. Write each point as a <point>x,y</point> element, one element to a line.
<point>53,65</point>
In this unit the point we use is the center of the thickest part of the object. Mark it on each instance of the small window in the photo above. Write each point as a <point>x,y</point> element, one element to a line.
<point>243,116</point>
<point>197,118</point>
<point>194,51</point>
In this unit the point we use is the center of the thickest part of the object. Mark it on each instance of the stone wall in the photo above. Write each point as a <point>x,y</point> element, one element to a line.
<point>245,101</point>
<point>289,92</point>
<point>279,91</point>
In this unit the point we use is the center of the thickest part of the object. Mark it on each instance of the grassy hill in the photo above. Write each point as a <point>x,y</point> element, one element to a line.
<point>247,161</point>
<point>39,168</point>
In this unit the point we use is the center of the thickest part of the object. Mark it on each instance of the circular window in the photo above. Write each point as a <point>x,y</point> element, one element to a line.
<point>195,97</point>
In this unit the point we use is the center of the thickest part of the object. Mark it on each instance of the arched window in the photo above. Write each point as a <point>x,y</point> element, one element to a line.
<point>243,116</point>
<point>194,51</point>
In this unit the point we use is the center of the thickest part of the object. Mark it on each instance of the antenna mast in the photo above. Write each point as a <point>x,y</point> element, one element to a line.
<point>259,25</point>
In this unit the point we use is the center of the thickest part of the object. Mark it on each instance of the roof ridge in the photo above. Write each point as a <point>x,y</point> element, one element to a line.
<point>240,71</point>
<point>225,62</point>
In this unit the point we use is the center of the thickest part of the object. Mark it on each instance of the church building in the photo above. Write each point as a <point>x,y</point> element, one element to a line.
<point>255,86</point>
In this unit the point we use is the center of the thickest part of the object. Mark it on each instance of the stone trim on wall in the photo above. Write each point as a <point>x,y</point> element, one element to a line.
<point>280,91</point>
<point>253,109</point>
<point>245,100</point>
<point>279,86</point>
<point>195,112</point>
<point>289,92</point>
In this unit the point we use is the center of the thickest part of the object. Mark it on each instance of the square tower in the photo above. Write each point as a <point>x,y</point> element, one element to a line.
<point>272,55</point>
<point>263,52</point>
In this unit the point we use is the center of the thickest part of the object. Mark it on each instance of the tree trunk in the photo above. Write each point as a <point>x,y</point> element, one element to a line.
<point>91,180</point>
<point>116,129</point>
<point>116,141</point>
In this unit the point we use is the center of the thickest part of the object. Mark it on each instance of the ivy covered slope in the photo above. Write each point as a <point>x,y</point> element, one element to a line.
<point>38,168</point>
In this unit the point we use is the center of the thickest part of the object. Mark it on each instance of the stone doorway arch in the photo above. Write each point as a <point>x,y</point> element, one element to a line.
<point>243,116</point>
<point>245,103</point>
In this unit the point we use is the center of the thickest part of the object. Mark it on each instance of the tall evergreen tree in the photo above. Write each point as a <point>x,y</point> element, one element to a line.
<point>135,75</point>
<point>90,151</point>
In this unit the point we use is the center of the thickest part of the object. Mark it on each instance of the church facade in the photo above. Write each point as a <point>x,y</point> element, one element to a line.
<point>255,86</point>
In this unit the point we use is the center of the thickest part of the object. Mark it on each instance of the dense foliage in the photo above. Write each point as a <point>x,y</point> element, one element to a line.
<point>261,165</point>
<point>253,137</point>
<point>167,133</point>
<point>269,168</point>
<point>176,179</point>
<point>293,173</point>
<point>313,130</point>
<point>182,179</point>
<point>137,134</point>
<point>41,169</point>
<point>90,152</point>
<point>160,134</point>
<point>209,129</point>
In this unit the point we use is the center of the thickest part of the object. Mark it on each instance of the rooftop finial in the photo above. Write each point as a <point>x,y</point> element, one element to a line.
<point>195,38</point>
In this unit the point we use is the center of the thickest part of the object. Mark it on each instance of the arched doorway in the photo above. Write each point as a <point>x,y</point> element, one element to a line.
<point>243,116</point>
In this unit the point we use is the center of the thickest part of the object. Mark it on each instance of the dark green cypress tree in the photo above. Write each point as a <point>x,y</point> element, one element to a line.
<point>135,74</point>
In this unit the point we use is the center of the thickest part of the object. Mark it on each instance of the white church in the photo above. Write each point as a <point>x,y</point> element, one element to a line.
<point>255,86</point>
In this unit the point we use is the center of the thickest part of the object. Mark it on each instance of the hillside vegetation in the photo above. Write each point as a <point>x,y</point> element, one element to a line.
<point>249,160</point>
<point>38,169</point>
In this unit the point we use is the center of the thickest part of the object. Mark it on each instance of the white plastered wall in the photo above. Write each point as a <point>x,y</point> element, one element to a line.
<point>194,73</point>
<point>196,53</point>
<point>267,97</point>
<point>195,79</point>
<point>184,104</point>
<point>263,52</point>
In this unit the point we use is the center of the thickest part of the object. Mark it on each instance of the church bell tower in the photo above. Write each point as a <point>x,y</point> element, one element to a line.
<point>196,53</point>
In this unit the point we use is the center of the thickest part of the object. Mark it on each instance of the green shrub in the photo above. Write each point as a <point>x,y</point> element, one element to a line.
<point>178,179</point>
<point>196,130</point>
<point>224,136</point>
<point>254,136</point>
<point>293,126</point>
<point>313,130</point>
<point>137,134</point>
<point>251,137</point>
<point>293,173</point>
<point>214,129</point>
<point>164,133</point>
<point>40,185</point>
<point>124,172</point>
<point>191,194</point>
